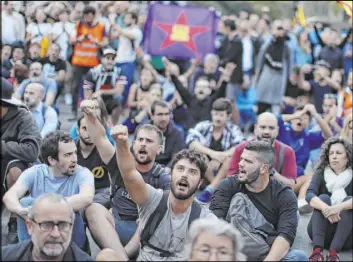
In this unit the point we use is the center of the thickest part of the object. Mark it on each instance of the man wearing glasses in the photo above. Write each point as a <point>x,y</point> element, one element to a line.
<point>50,225</point>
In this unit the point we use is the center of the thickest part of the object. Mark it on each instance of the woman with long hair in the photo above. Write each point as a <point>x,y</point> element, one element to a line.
<point>347,129</point>
<point>330,194</point>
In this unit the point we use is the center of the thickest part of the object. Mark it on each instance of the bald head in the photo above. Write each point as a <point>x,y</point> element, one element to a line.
<point>33,95</point>
<point>266,127</point>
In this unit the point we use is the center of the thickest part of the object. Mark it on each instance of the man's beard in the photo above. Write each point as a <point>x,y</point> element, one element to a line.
<point>252,177</point>
<point>36,78</point>
<point>271,140</point>
<point>147,161</point>
<point>85,142</point>
<point>178,196</point>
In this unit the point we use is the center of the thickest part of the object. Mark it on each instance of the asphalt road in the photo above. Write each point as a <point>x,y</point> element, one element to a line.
<point>302,240</point>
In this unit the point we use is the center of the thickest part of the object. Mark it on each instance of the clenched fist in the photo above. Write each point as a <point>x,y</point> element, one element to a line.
<point>88,107</point>
<point>120,134</point>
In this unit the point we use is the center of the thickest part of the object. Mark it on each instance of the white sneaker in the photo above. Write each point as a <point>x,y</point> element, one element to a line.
<point>68,99</point>
<point>304,207</point>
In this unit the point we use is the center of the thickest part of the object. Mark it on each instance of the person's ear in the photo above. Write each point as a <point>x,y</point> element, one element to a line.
<point>29,227</point>
<point>52,161</point>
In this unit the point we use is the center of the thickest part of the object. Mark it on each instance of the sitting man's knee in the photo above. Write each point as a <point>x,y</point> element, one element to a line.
<point>109,255</point>
<point>325,198</point>
<point>12,175</point>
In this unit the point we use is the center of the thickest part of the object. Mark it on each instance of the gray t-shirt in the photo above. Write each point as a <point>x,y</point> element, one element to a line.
<point>39,180</point>
<point>171,233</point>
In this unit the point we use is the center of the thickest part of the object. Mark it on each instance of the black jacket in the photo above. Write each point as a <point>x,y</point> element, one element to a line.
<point>20,135</point>
<point>232,51</point>
<point>173,143</point>
<point>22,252</point>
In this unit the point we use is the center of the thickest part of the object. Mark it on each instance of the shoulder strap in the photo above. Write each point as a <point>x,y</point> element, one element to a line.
<point>281,157</point>
<point>44,109</point>
<point>154,177</point>
<point>155,219</point>
<point>195,212</point>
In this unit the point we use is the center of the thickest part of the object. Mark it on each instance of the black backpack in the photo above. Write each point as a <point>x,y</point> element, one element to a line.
<point>44,110</point>
<point>156,218</point>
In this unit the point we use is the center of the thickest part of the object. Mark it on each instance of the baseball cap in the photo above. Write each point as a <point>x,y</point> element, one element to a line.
<point>322,63</point>
<point>109,51</point>
<point>6,93</point>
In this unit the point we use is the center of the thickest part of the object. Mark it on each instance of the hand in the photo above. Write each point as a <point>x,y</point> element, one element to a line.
<point>227,72</point>
<point>81,38</point>
<point>23,212</point>
<point>333,112</point>
<point>94,40</point>
<point>311,109</point>
<point>88,107</point>
<point>139,52</point>
<point>334,219</point>
<point>331,210</point>
<point>348,53</point>
<point>120,134</point>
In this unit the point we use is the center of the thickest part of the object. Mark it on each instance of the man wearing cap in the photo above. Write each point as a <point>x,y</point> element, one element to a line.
<point>107,81</point>
<point>20,140</point>
<point>321,84</point>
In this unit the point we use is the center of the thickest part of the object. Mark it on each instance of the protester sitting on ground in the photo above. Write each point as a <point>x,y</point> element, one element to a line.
<point>49,222</point>
<point>162,117</point>
<point>174,209</point>
<point>217,139</point>
<point>60,174</point>
<point>330,194</point>
<point>95,152</point>
<point>6,50</point>
<point>17,57</point>
<point>206,236</point>
<point>266,129</point>
<point>146,146</point>
<point>199,103</point>
<point>253,199</point>
<point>36,76</point>
<point>102,115</point>
<point>46,117</point>
<point>33,53</point>
<point>296,135</point>
<point>19,73</point>
<point>107,81</point>
<point>20,141</point>
<point>347,129</point>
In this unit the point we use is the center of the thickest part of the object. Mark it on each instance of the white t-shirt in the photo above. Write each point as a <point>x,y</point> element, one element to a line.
<point>39,31</point>
<point>63,39</point>
<point>7,28</point>
<point>126,52</point>
<point>171,233</point>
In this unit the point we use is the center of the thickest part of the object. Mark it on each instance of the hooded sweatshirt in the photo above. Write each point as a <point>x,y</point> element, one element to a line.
<point>20,135</point>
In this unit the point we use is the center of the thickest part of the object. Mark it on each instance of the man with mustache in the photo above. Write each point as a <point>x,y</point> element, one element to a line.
<point>188,169</point>
<point>266,198</point>
<point>50,225</point>
<point>61,174</point>
<point>111,229</point>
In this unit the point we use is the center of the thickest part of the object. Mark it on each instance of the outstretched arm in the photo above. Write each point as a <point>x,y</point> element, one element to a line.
<point>133,180</point>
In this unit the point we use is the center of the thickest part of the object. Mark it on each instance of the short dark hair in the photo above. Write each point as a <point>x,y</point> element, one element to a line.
<point>300,108</point>
<point>89,9</point>
<point>265,151</point>
<point>160,103</point>
<point>50,145</point>
<point>222,104</point>
<point>79,120</point>
<point>230,23</point>
<point>134,15</point>
<point>150,127</point>
<point>194,157</point>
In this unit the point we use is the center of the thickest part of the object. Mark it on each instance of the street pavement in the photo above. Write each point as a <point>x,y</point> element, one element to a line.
<point>302,240</point>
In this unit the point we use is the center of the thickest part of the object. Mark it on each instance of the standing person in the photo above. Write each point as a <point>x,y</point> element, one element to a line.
<point>330,194</point>
<point>129,38</point>
<point>48,243</point>
<point>231,51</point>
<point>272,71</point>
<point>20,141</point>
<point>166,239</point>
<point>88,37</point>
<point>345,98</point>
<point>12,24</point>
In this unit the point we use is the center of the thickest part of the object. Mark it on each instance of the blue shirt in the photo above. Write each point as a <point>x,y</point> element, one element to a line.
<point>39,180</point>
<point>50,86</point>
<point>302,143</point>
<point>47,123</point>
<point>347,61</point>
<point>74,134</point>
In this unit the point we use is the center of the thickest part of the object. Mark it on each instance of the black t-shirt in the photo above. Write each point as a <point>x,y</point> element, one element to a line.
<point>216,145</point>
<point>95,164</point>
<point>121,202</point>
<point>318,92</point>
<point>51,69</point>
<point>294,91</point>
<point>277,203</point>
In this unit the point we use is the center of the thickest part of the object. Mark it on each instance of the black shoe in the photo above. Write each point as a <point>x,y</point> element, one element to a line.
<point>12,237</point>
<point>73,117</point>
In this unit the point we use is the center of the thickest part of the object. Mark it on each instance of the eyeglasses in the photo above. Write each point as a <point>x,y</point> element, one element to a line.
<point>205,253</point>
<point>330,96</point>
<point>47,226</point>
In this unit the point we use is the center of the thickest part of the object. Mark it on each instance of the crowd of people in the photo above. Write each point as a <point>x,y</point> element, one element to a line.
<point>212,159</point>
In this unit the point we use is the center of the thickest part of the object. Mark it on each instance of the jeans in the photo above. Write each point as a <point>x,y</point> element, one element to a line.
<point>295,255</point>
<point>128,70</point>
<point>78,73</point>
<point>78,230</point>
<point>125,229</point>
<point>231,91</point>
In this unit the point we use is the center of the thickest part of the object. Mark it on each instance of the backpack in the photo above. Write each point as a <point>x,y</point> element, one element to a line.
<point>44,110</point>
<point>155,219</point>
<point>258,234</point>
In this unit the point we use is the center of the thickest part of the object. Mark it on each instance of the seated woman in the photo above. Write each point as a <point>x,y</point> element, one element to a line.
<point>330,194</point>
<point>103,115</point>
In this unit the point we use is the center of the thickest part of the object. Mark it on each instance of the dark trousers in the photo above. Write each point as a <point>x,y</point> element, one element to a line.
<point>262,107</point>
<point>78,72</point>
<point>337,236</point>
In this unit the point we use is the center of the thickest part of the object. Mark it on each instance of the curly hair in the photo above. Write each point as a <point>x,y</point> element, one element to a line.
<point>194,157</point>
<point>325,148</point>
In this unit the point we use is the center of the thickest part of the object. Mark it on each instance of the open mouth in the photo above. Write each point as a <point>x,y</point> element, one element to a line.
<point>183,184</point>
<point>142,152</point>
<point>73,166</point>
